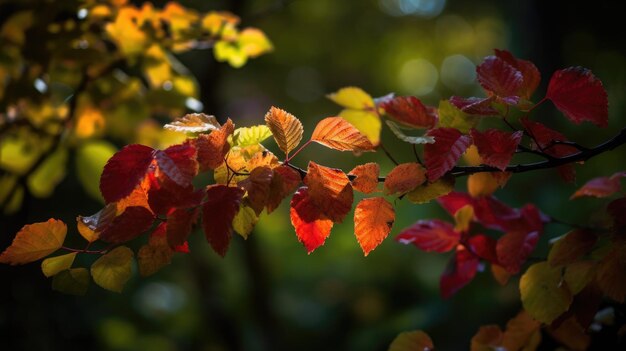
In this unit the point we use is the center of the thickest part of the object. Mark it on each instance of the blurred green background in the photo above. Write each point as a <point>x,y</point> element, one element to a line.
<point>268,294</point>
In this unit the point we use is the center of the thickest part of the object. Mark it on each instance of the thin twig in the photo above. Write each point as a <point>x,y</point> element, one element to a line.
<point>388,154</point>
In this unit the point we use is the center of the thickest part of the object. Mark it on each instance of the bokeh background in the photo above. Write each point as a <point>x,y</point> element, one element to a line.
<point>267,293</point>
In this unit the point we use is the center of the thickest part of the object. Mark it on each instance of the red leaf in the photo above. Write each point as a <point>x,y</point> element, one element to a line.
<point>312,227</point>
<point>128,225</point>
<point>409,111</point>
<point>577,93</point>
<point>213,147</point>
<point>514,248</point>
<point>443,154</point>
<point>124,171</point>
<point>331,191</point>
<point>454,201</point>
<point>284,182</point>
<point>373,220</point>
<point>617,210</point>
<point>162,198</point>
<point>495,147</point>
<point>601,186</point>
<point>430,235</point>
<point>530,73</point>
<point>474,105</point>
<point>178,163</point>
<point>460,271</point>
<point>500,78</point>
<point>218,211</point>
<point>179,224</point>
<point>484,247</point>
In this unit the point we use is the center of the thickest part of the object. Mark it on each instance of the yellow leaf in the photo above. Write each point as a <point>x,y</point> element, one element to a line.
<point>113,270</point>
<point>285,127</point>
<point>486,183</point>
<point>544,295</point>
<point>53,265</point>
<point>244,221</point>
<point>373,220</point>
<point>353,98</point>
<point>247,136</point>
<point>227,51</point>
<point>90,160</point>
<point>412,341</point>
<point>451,117</point>
<point>463,218</point>
<point>50,173</point>
<point>74,281</point>
<point>367,122</point>
<point>193,123</point>
<point>126,33</point>
<point>35,241</point>
<point>336,133</point>
<point>253,42</point>
<point>89,234</point>
<point>578,275</point>
<point>430,191</point>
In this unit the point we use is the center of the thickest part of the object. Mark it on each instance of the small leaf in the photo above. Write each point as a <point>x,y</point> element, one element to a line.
<point>530,73</point>
<point>430,191</point>
<point>244,221</point>
<point>312,227</point>
<point>124,171</point>
<point>352,97</point>
<point>113,270</point>
<point>601,186</point>
<point>460,271</point>
<point>543,294</point>
<point>366,177</point>
<point>247,136</point>
<point>409,111</point>
<point>409,139</point>
<point>463,218</point>
<point>336,133</point>
<point>495,147</point>
<point>218,211</point>
<point>193,123</point>
<point>330,190</point>
<point>578,275</point>
<point>212,148</point>
<point>53,265</point>
<point>373,220</point>
<point>430,235</point>
<point>285,127</point>
<point>35,241</point>
<point>442,156</point>
<point>404,178</point>
<point>178,163</point>
<point>571,334</point>
<point>577,93</point>
<point>572,246</point>
<point>412,341</point>
<point>545,136</point>
<point>85,231</point>
<point>74,281</point>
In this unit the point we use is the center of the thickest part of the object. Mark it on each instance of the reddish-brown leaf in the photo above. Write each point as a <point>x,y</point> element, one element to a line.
<point>366,177</point>
<point>162,198</point>
<point>373,220</point>
<point>178,163</point>
<point>430,235</point>
<point>500,78</point>
<point>474,105</point>
<point>514,248</point>
<point>601,186</point>
<point>579,95</point>
<point>610,276</point>
<point>284,182</point>
<point>617,210</point>
<point>496,147</point>
<point>520,331</point>
<point>128,225</point>
<point>404,178</point>
<point>571,334</point>
<point>124,171</point>
<point>572,246</point>
<point>460,271</point>
<point>486,183</point>
<point>443,154</point>
<point>213,147</point>
<point>530,73</point>
<point>179,224</point>
<point>312,227</point>
<point>218,211</point>
<point>484,247</point>
<point>336,133</point>
<point>258,187</point>
<point>409,111</point>
<point>488,337</point>
<point>330,190</point>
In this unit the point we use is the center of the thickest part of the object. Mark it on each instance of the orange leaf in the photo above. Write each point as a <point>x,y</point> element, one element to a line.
<point>489,337</point>
<point>520,331</point>
<point>285,127</point>
<point>330,190</point>
<point>258,187</point>
<point>373,220</point>
<point>571,334</point>
<point>366,179</point>
<point>284,182</point>
<point>486,183</point>
<point>336,133</point>
<point>404,178</point>
<point>35,241</point>
<point>213,147</point>
<point>312,227</point>
<point>500,274</point>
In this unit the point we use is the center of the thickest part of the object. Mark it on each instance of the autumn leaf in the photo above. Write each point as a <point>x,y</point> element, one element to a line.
<point>257,186</point>
<point>352,97</point>
<point>404,178</point>
<point>460,271</point>
<point>544,296</point>
<point>128,225</point>
<point>471,106</point>
<point>156,254</point>
<point>451,116</point>
<point>367,122</point>
<point>430,235</point>
<point>431,191</point>
<point>530,74</point>
<point>373,220</point>
<point>336,133</point>
<point>284,182</point>
<point>610,276</point>
<point>454,201</point>
<point>365,177</point>
<point>53,265</point>
<point>113,270</point>
<point>218,211</point>
<point>412,341</point>
<point>496,147</point>
<point>601,186</point>
<point>35,241</point>
<point>495,75</point>
<point>179,225</point>
<point>248,136</point>
<point>212,148</point>
<point>571,246</point>
<point>330,190</point>
<point>579,274</point>
<point>178,163</point>
<point>410,111</point>
<point>443,154</point>
<point>486,183</point>
<point>245,220</point>
<point>312,227</point>
<point>522,332</point>
<point>285,127</point>
<point>124,171</point>
<point>500,274</point>
<point>488,338</point>
<point>577,93</point>
<point>193,123</point>
<point>463,218</point>
<point>571,334</point>
<point>514,247</point>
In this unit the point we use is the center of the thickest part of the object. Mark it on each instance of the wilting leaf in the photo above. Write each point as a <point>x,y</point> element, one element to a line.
<point>496,147</point>
<point>113,270</point>
<point>218,211</point>
<point>443,154</point>
<point>406,138</point>
<point>73,281</point>
<point>193,123</point>
<point>53,265</point>
<point>409,111</point>
<point>460,271</point>
<point>85,231</point>
<point>412,341</point>
<point>124,171</point>
<point>35,241</point>
<point>572,246</point>
<point>284,181</point>
<point>352,97</point>
<point>430,191</point>
<point>156,254</point>
<point>213,147</point>
<point>579,95</point>
<point>544,295</point>
<point>430,235</point>
<point>366,177</point>
<point>330,190</point>
<point>404,178</point>
<point>336,133</point>
<point>601,186</point>
<point>312,227</point>
<point>285,127</point>
<point>373,220</point>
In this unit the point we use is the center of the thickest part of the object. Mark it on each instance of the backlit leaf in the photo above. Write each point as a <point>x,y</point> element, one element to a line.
<point>53,265</point>
<point>601,186</point>
<point>373,220</point>
<point>257,186</point>
<point>284,182</point>
<point>543,294</point>
<point>179,225</point>
<point>430,191</point>
<point>463,218</point>
<point>409,111</point>
<point>366,177</point>
<point>577,93</point>
<point>156,254</point>
<point>312,227</point>
<point>213,147</point>
<point>247,136</point>
<point>35,241</point>
<point>497,76</point>
<point>336,133</point>
<point>430,235</point>
<point>124,171</point>
<point>467,106</point>
<point>244,221</point>
<point>443,154</point>
<point>460,271</point>
<point>113,270</point>
<point>412,341</point>
<point>365,121</point>
<point>408,139</point>
<point>128,225</point>
<point>486,183</point>
<point>178,163</point>
<point>352,97</point>
<point>218,211</point>
<point>496,147</point>
<point>194,123</point>
<point>85,231</point>
<point>330,190</point>
<point>404,178</point>
<point>530,73</point>
<point>285,127</point>
<point>572,246</point>
<point>73,281</point>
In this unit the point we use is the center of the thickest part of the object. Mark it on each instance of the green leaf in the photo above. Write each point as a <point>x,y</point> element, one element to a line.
<point>90,160</point>
<point>395,128</point>
<point>412,341</point>
<point>452,117</point>
<point>544,295</point>
<point>72,281</point>
<point>113,270</point>
<point>45,178</point>
<point>53,265</point>
<point>247,136</point>
<point>244,221</point>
